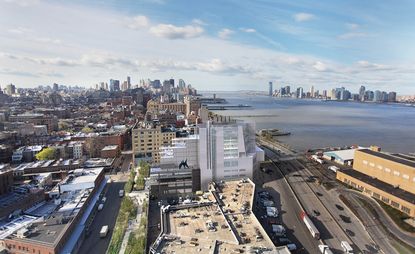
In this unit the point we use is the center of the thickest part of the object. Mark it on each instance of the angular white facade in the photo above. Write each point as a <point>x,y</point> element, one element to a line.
<point>226,151</point>
<point>182,149</point>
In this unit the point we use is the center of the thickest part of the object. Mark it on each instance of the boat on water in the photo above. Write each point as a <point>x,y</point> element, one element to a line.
<point>273,132</point>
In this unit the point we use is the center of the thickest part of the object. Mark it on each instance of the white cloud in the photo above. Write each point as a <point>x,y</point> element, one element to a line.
<point>302,16</point>
<point>20,30</point>
<point>319,66</point>
<point>22,3</point>
<point>48,40</point>
<point>199,22</point>
<point>137,22</point>
<point>352,26</point>
<point>170,31</point>
<point>352,35</point>
<point>225,33</point>
<point>248,30</point>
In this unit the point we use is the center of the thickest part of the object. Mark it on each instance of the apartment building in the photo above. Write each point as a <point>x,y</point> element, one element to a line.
<point>147,141</point>
<point>50,121</point>
<point>389,178</point>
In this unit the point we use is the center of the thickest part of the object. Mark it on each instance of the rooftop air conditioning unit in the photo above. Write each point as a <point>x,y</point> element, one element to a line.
<point>22,233</point>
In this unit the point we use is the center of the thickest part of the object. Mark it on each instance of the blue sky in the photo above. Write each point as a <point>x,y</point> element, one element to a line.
<point>214,45</point>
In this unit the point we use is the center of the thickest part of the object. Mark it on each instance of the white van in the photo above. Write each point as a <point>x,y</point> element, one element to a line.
<point>100,206</point>
<point>104,231</point>
<point>346,247</point>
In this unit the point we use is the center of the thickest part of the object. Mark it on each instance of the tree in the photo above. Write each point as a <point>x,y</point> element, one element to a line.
<point>63,125</point>
<point>86,130</point>
<point>46,154</point>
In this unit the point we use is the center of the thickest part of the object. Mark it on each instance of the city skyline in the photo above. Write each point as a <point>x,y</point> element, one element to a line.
<point>284,42</point>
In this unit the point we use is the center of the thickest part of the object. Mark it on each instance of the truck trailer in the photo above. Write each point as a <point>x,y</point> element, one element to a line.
<point>310,225</point>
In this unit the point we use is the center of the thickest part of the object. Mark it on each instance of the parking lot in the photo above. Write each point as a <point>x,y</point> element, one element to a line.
<point>295,230</point>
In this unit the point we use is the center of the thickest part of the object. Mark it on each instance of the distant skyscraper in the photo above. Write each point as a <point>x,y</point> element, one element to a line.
<point>128,82</point>
<point>287,90</point>
<point>10,89</point>
<point>114,85</point>
<point>370,95</point>
<point>377,96</point>
<point>270,89</point>
<point>312,91</point>
<point>167,86</point>
<point>182,84</point>
<point>324,93</point>
<point>362,93</point>
<point>392,97</point>
<point>283,92</point>
<point>384,96</point>
<point>55,87</point>
<point>299,93</point>
<point>171,82</point>
<point>156,83</point>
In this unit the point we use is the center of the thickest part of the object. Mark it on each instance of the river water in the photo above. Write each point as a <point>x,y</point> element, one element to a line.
<point>315,123</point>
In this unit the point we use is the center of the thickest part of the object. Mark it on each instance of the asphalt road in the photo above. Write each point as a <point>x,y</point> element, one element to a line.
<point>107,216</point>
<point>372,225</point>
<point>288,209</point>
<point>331,232</point>
<point>348,222</point>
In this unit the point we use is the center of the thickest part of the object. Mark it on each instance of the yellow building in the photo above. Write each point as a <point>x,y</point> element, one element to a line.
<point>155,106</point>
<point>147,141</point>
<point>392,169</point>
<point>386,177</point>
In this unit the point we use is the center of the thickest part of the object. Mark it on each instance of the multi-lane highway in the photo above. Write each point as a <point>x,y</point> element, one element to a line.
<point>334,220</point>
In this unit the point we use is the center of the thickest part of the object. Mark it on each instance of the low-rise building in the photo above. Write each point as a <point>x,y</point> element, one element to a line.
<point>110,151</point>
<point>342,157</point>
<point>6,178</point>
<point>222,221</point>
<point>387,177</point>
<point>56,226</point>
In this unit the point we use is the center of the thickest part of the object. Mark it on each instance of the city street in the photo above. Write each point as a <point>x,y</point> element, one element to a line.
<point>107,216</point>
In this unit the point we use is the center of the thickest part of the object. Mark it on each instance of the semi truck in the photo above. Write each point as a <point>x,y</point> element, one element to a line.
<point>310,225</point>
<point>104,231</point>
